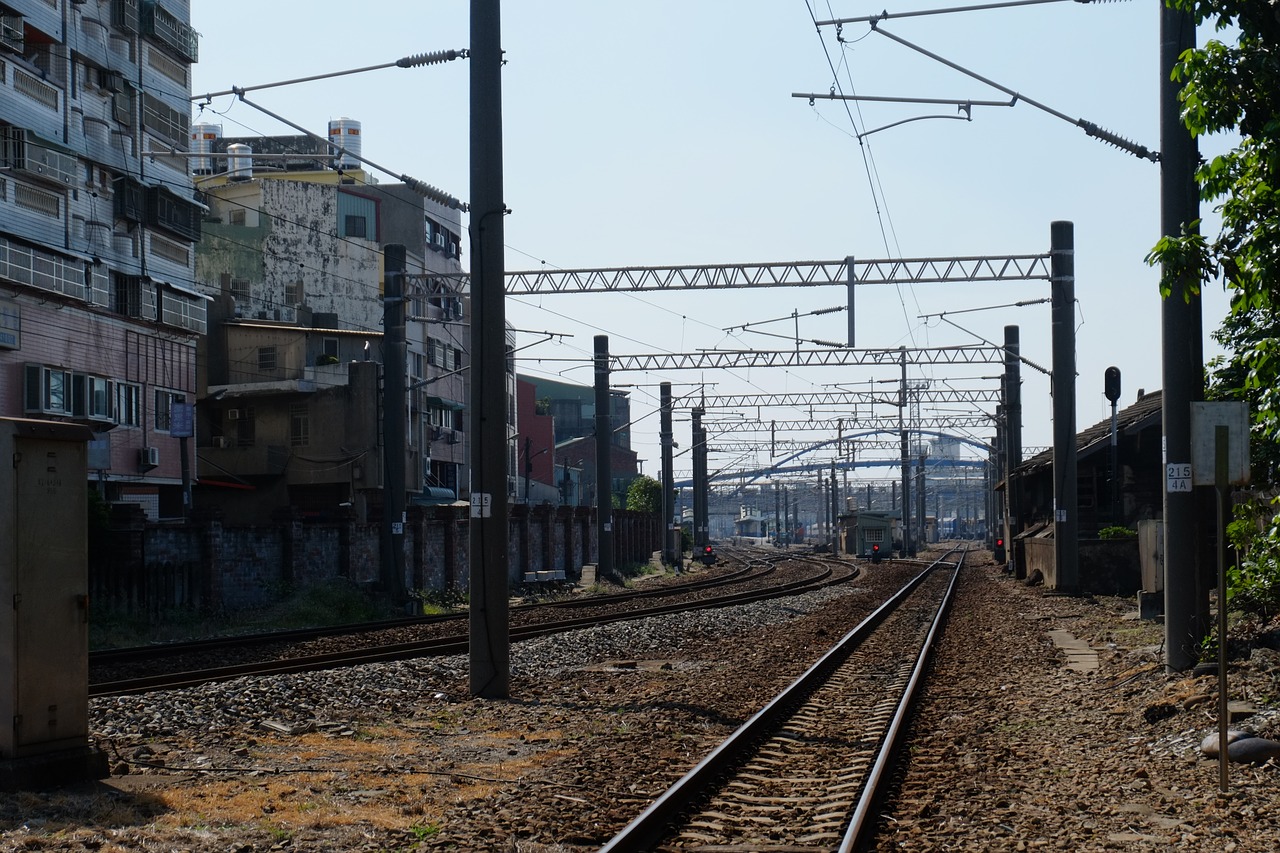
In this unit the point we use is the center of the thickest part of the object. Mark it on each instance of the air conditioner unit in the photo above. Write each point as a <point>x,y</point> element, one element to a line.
<point>233,414</point>
<point>148,457</point>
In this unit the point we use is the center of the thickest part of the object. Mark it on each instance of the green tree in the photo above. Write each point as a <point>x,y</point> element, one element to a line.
<point>644,495</point>
<point>1235,88</point>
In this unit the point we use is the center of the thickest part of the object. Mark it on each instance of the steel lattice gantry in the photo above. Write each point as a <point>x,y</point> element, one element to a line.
<point>832,424</point>
<point>783,274</point>
<point>836,357</point>
<point>804,400</point>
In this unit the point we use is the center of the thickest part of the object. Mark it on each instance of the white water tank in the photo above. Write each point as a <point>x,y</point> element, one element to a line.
<point>203,138</point>
<point>345,132</point>
<point>240,162</point>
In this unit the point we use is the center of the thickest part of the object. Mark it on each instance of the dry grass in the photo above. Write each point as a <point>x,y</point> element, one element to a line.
<point>388,777</point>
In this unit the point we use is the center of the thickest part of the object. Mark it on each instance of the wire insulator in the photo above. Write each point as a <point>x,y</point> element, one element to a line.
<point>1118,141</point>
<point>434,58</point>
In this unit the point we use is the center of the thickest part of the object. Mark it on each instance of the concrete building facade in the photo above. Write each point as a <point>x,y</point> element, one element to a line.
<point>99,317</point>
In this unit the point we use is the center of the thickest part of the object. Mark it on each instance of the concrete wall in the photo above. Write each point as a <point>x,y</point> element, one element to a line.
<point>140,567</point>
<point>1107,567</point>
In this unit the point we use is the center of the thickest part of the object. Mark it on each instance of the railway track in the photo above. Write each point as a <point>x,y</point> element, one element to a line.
<point>804,772</point>
<point>183,665</point>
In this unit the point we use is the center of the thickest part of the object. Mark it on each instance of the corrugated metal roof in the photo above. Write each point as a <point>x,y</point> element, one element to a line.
<point>1142,414</point>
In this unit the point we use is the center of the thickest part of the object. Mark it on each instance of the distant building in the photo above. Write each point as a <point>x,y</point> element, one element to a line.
<point>293,254</point>
<point>98,314</point>
<point>573,407</point>
<point>535,448</point>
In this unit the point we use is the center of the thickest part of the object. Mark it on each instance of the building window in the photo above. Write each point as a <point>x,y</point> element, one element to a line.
<point>164,408</point>
<point>236,216</point>
<point>129,295</point>
<point>128,404</point>
<point>246,429</point>
<point>330,346</point>
<point>239,289</point>
<point>299,426</point>
<point>266,358</point>
<point>355,226</point>
<point>293,292</point>
<point>48,390</point>
<point>99,398</point>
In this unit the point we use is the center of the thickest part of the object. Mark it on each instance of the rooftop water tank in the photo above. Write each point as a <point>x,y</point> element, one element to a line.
<point>240,164</point>
<point>203,139</point>
<point>345,132</point>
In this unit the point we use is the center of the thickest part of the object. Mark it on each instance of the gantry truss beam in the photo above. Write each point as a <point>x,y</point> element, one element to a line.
<point>841,398</point>
<point>832,425</point>
<point>728,359</point>
<point>784,447</point>
<point>972,268</point>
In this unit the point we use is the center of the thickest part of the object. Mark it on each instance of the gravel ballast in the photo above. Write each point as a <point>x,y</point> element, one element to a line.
<point>1010,749</point>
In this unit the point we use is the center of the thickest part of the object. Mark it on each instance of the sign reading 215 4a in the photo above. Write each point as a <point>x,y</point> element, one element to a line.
<point>1177,477</point>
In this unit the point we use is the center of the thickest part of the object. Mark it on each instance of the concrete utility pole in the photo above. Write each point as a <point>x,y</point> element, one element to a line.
<point>670,555</point>
<point>835,510</point>
<point>1013,444</point>
<point>394,391</point>
<point>604,457</point>
<point>489,632</point>
<point>700,503</point>
<point>1066,521</point>
<point>921,508</point>
<point>906,459</point>
<point>1186,602</point>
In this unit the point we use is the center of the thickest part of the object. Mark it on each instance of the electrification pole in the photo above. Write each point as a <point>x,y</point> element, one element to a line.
<point>669,551</point>
<point>490,652</point>
<point>394,391</point>
<point>1013,445</point>
<point>907,550</point>
<point>604,451</point>
<point>1066,522</point>
<point>1186,603</point>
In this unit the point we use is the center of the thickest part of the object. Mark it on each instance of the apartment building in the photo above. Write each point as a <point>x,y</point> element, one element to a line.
<point>99,316</point>
<point>293,257</point>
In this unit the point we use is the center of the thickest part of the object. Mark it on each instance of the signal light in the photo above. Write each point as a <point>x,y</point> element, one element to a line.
<point>875,552</point>
<point>998,551</point>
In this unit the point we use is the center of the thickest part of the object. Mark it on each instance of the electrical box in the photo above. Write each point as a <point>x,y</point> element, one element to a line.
<point>44,605</point>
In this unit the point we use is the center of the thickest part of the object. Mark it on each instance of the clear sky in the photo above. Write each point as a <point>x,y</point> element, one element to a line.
<point>665,132</point>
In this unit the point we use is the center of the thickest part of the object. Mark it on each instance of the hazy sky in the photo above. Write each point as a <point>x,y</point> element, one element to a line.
<point>662,133</point>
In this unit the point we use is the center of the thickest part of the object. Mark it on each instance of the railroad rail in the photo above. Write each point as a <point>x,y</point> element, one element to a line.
<point>214,645</point>
<point>451,636</point>
<point>804,772</point>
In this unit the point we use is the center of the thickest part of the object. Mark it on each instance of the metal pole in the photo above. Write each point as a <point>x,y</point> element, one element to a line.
<point>1117,516</point>
<point>920,501</point>
<point>1013,444</point>
<point>1221,442</point>
<point>604,456</point>
<point>490,656</point>
<point>850,280</point>
<point>394,395</point>
<point>700,486</point>
<point>669,524</point>
<point>835,510</point>
<point>1185,601</point>
<point>1066,522</point>
<point>777,514</point>
<point>906,460</point>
